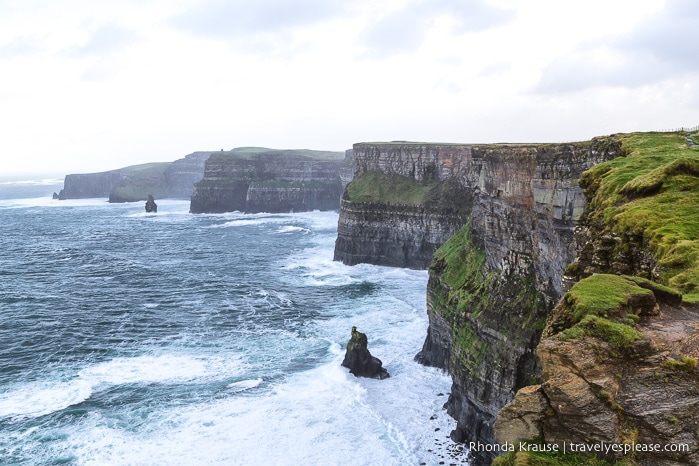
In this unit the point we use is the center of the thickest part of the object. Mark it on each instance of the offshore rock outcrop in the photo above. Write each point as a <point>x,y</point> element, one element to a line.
<point>252,179</point>
<point>129,184</point>
<point>359,360</point>
<point>492,284</point>
<point>151,206</point>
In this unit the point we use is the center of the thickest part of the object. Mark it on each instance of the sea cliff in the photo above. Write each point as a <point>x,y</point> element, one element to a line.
<point>404,201</point>
<point>565,306</point>
<point>510,210</point>
<point>255,179</point>
<point>129,184</point>
<point>619,351</point>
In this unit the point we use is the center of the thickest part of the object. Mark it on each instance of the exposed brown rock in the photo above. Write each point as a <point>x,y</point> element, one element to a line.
<point>649,396</point>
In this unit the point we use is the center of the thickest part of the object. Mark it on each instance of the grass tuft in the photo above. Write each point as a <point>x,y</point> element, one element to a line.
<point>654,192</point>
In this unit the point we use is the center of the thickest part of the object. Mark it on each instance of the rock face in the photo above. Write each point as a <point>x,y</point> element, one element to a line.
<point>151,206</point>
<point>89,185</point>
<point>619,351</point>
<point>182,174</point>
<point>597,390</point>
<point>164,180</point>
<point>266,180</point>
<point>359,360</point>
<point>402,232</point>
<point>492,284</point>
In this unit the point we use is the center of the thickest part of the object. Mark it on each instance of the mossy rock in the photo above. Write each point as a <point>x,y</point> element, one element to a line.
<point>651,193</point>
<point>607,307</point>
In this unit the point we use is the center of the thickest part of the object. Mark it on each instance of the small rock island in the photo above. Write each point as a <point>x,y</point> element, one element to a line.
<point>151,206</point>
<point>359,360</point>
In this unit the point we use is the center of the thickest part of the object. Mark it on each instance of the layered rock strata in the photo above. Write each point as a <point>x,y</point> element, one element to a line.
<point>632,387</point>
<point>266,180</point>
<point>424,203</point>
<point>619,351</point>
<point>491,285</point>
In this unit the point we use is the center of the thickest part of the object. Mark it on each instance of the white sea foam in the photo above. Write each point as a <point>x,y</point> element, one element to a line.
<point>49,202</point>
<point>320,416</point>
<point>292,229</point>
<point>244,385</point>
<point>167,209</point>
<point>41,398</point>
<point>42,182</point>
<point>159,369</point>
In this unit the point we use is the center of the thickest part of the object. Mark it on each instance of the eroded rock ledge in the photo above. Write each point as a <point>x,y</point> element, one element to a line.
<point>619,351</point>
<point>606,382</point>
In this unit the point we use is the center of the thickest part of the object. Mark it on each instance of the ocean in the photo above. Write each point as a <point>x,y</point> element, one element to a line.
<point>129,338</point>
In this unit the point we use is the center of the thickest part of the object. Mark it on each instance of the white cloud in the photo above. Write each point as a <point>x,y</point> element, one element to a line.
<point>660,47</point>
<point>93,85</point>
<point>404,30</point>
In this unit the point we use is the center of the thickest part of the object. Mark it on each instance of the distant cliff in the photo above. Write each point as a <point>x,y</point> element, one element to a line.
<point>253,179</point>
<point>404,201</point>
<point>163,180</point>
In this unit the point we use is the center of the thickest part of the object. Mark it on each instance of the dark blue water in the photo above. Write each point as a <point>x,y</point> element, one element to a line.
<point>131,338</point>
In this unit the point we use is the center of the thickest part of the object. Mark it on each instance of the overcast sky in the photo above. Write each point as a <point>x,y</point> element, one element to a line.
<point>91,85</point>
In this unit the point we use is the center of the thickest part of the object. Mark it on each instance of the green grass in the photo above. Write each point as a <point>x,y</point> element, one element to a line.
<point>251,153</point>
<point>377,187</point>
<point>145,167</point>
<point>603,295</point>
<point>140,181</point>
<point>619,335</point>
<point>464,261</point>
<point>603,306</point>
<point>684,363</point>
<point>653,191</point>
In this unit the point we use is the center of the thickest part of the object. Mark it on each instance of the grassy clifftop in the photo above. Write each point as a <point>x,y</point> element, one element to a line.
<point>652,192</point>
<point>252,153</point>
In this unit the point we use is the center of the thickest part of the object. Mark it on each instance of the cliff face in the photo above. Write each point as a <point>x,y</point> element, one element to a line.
<point>492,284</point>
<point>89,185</point>
<point>182,174</point>
<point>606,382</point>
<point>265,180</point>
<point>404,201</point>
<point>162,180</point>
<point>619,352</point>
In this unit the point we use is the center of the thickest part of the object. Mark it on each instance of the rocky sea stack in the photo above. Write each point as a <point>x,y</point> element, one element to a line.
<point>359,360</point>
<point>151,206</point>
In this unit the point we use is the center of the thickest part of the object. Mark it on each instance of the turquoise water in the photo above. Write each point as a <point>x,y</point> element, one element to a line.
<point>131,338</point>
